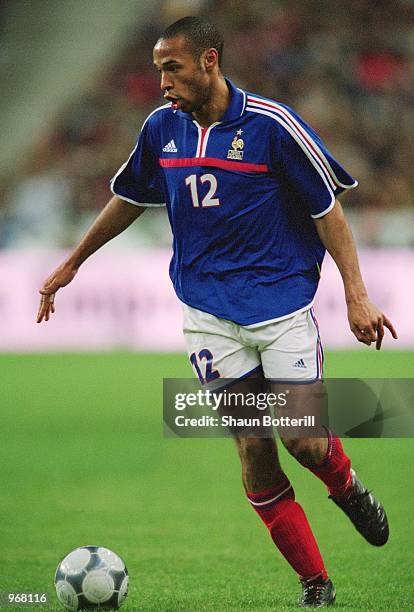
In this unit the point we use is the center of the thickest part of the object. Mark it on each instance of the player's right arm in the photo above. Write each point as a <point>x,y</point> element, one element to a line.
<point>114,219</point>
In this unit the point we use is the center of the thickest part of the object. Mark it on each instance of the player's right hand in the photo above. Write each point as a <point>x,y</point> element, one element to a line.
<point>61,277</point>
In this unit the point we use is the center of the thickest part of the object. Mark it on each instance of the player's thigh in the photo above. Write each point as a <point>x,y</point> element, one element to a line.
<point>291,350</point>
<point>215,349</point>
<point>293,365</point>
<point>303,413</point>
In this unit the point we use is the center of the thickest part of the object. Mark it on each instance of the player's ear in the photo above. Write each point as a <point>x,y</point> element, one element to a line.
<point>210,59</point>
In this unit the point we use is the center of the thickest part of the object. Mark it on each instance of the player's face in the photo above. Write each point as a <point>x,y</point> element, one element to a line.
<point>184,79</point>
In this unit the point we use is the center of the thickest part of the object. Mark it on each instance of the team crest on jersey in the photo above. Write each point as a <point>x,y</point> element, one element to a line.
<point>237,144</point>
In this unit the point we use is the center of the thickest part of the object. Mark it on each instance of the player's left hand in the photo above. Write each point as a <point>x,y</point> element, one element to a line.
<point>367,323</point>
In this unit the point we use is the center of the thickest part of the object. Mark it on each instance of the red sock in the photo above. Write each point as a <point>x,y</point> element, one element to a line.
<point>334,470</point>
<point>289,529</point>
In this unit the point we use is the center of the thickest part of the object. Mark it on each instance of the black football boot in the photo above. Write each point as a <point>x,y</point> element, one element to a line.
<point>366,512</point>
<point>317,593</point>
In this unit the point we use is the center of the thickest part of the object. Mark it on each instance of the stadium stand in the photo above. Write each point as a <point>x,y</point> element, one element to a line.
<point>349,70</point>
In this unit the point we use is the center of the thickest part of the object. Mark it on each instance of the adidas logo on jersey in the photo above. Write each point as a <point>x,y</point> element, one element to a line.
<point>170,147</point>
<point>299,364</point>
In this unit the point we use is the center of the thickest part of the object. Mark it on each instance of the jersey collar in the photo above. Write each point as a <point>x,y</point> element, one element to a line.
<point>235,108</point>
<point>237,103</point>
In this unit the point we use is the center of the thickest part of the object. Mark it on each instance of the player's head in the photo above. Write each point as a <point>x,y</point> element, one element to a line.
<point>188,56</point>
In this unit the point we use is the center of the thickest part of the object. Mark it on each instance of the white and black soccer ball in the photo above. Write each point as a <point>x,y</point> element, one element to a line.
<point>91,578</point>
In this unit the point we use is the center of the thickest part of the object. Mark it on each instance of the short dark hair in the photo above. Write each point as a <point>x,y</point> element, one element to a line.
<point>199,33</point>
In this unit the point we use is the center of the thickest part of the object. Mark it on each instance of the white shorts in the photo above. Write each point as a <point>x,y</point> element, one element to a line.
<point>287,350</point>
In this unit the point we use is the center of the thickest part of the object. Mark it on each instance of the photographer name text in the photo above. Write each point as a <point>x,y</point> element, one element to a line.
<point>230,421</point>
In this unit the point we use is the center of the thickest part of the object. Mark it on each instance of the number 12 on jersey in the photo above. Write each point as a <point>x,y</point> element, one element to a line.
<point>208,199</point>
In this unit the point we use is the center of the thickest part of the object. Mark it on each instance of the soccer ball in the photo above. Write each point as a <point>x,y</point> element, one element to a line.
<point>91,578</point>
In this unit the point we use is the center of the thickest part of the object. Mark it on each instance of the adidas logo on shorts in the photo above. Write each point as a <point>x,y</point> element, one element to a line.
<point>299,364</point>
<point>170,147</point>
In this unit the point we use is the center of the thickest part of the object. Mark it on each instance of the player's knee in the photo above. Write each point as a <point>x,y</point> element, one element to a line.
<point>305,450</point>
<point>253,450</point>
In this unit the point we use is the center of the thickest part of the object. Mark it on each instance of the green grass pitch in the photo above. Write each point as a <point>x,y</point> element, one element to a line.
<point>83,461</point>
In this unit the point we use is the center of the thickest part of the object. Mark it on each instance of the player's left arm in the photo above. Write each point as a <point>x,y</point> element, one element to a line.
<point>366,321</point>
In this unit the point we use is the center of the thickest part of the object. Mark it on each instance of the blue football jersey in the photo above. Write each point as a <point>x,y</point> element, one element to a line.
<point>241,196</point>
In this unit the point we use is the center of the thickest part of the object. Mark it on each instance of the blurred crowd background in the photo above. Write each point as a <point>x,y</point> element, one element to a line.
<point>346,67</point>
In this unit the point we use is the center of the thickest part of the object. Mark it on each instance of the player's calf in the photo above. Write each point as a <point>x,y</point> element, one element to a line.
<point>345,489</point>
<point>308,451</point>
<point>326,458</point>
<point>271,495</point>
<point>289,528</point>
<point>260,463</point>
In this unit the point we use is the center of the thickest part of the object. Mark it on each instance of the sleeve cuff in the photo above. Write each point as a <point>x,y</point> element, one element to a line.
<point>325,212</point>
<point>146,204</point>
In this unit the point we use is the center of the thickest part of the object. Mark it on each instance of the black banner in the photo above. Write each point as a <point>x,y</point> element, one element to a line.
<point>355,408</point>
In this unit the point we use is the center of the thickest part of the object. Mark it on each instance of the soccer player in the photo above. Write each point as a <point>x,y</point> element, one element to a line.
<point>250,191</point>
